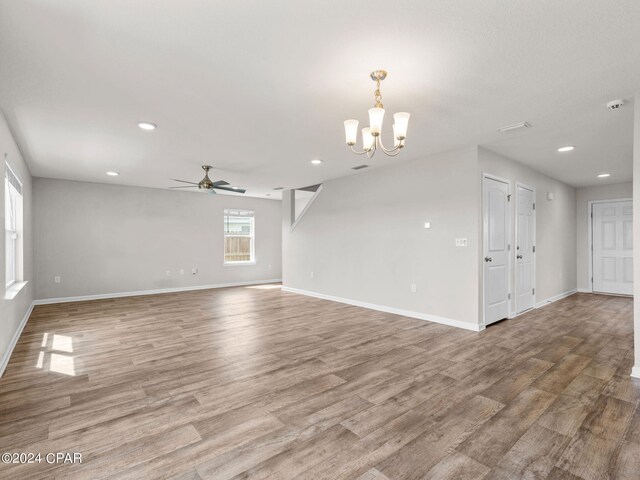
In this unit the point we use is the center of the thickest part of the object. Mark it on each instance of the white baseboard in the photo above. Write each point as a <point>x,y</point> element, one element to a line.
<point>635,372</point>
<point>14,340</point>
<point>83,298</point>
<point>585,290</point>
<point>556,298</point>
<point>397,311</point>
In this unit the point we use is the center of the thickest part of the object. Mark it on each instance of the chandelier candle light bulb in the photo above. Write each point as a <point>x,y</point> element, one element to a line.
<point>376,115</point>
<point>372,135</point>
<point>367,139</point>
<point>401,120</point>
<point>351,131</point>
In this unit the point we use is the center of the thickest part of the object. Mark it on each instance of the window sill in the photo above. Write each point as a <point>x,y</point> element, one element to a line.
<point>11,292</point>
<point>238,264</point>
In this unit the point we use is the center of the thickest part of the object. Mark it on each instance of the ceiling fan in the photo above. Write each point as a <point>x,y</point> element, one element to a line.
<point>207,184</point>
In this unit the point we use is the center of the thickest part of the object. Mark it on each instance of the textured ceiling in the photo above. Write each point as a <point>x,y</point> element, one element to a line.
<point>258,89</point>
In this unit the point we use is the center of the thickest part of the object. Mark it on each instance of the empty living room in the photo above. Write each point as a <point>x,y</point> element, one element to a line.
<point>362,240</point>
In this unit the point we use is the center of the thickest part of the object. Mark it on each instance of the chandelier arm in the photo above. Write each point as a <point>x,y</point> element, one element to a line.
<point>388,150</point>
<point>371,152</point>
<point>392,153</point>
<point>357,152</point>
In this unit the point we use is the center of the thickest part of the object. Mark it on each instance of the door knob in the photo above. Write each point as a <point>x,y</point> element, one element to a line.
<point>487,259</point>
<point>518,256</point>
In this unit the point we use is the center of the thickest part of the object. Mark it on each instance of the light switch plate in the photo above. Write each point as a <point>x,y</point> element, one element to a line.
<point>427,224</point>
<point>461,242</point>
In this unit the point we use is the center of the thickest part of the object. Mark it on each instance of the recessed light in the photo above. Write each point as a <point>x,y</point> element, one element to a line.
<point>113,174</point>
<point>568,148</point>
<point>316,161</point>
<point>147,125</point>
<point>604,175</point>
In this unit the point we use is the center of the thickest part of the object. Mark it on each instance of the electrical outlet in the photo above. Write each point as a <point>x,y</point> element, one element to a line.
<point>414,288</point>
<point>194,271</point>
<point>168,273</point>
<point>57,279</point>
<point>182,271</point>
<point>311,275</point>
<point>269,267</point>
<point>427,224</point>
<point>461,242</point>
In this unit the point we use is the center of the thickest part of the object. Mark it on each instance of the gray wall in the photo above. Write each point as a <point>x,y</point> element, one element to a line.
<point>103,239</point>
<point>583,196</point>
<point>364,238</point>
<point>636,234</point>
<point>12,311</point>
<point>555,224</point>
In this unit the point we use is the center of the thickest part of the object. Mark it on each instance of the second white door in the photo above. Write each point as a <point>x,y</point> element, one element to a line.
<point>495,249</point>
<point>612,236</point>
<point>525,248</point>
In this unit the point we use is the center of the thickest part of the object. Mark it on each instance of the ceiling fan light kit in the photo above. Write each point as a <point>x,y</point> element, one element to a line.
<point>371,135</point>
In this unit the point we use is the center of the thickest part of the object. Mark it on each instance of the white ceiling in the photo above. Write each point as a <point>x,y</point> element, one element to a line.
<point>259,88</point>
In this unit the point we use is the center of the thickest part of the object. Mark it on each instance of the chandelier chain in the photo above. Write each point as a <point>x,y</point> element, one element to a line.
<point>378,95</point>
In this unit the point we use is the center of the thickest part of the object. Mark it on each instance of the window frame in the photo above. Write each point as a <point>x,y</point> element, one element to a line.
<point>251,214</point>
<point>12,234</point>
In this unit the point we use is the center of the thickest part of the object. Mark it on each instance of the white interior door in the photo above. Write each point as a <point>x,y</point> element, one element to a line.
<point>525,248</point>
<point>612,237</point>
<point>495,249</point>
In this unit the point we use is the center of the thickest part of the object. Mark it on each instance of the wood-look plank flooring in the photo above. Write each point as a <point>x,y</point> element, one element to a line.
<point>253,382</point>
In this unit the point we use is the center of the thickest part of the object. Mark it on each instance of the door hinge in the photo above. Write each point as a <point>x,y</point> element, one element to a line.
<point>534,249</point>
<point>509,296</point>
<point>533,291</point>
<point>534,205</point>
<point>591,214</point>
<point>509,198</point>
<point>509,247</point>
<point>591,279</point>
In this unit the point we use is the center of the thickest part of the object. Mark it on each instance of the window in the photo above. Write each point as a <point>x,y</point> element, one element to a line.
<point>239,237</point>
<point>12,226</point>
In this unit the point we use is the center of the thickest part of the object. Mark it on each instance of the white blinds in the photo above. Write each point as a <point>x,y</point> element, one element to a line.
<point>13,180</point>
<point>239,213</point>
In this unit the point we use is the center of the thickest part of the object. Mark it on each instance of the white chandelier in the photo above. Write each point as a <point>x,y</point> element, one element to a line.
<point>371,139</point>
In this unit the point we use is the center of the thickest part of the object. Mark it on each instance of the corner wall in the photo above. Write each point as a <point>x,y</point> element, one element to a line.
<point>636,236</point>
<point>584,195</point>
<point>555,225</point>
<point>363,240</point>
<point>104,239</point>
<point>13,311</point>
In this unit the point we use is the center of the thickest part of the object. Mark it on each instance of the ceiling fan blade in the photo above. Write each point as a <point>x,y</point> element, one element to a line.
<point>183,181</point>
<point>220,183</point>
<point>237,190</point>
<point>186,186</point>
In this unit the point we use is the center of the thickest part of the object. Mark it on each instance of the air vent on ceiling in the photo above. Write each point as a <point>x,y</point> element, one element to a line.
<point>360,167</point>
<point>517,126</point>
<point>615,104</point>
<point>279,188</point>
